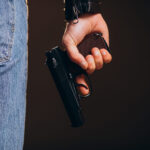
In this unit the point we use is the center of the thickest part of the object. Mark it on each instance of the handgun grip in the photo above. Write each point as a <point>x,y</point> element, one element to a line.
<point>90,41</point>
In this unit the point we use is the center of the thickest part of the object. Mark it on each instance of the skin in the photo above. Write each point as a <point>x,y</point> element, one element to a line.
<point>75,33</point>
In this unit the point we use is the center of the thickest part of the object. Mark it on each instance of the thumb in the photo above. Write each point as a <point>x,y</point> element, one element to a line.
<point>76,57</point>
<point>74,53</point>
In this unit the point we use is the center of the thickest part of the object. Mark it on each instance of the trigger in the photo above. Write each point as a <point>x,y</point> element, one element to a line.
<point>82,85</point>
<point>83,96</point>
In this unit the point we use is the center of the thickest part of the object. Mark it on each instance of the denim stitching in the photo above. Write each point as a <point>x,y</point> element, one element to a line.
<point>10,37</point>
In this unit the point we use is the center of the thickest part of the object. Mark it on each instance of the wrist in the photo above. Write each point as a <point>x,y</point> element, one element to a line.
<point>77,8</point>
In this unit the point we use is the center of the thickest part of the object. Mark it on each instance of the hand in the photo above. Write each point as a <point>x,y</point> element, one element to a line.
<point>75,33</point>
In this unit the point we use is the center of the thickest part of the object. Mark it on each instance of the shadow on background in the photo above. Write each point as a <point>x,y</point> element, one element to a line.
<point>117,114</point>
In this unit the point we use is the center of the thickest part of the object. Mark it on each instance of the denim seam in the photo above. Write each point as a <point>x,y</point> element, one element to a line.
<point>11,38</point>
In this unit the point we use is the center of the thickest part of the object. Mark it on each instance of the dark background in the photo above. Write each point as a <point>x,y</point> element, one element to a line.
<point>117,114</point>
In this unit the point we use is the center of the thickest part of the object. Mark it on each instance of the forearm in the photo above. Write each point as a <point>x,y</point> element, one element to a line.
<point>76,8</point>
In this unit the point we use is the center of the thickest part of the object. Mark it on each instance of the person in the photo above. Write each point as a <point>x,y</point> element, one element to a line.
<point>82,19</point>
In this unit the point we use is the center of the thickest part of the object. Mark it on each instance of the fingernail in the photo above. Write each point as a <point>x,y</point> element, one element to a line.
<point>104,53</point>
<point>96,53</point>
<point>90,60</point>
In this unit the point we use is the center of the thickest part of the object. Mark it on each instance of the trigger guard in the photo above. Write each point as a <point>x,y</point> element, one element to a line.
<point>89,84</point>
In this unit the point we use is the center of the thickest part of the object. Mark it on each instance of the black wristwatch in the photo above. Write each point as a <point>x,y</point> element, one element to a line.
<point>75,8</point>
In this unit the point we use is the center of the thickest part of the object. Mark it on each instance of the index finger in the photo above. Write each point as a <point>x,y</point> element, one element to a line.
<point>76,56</point>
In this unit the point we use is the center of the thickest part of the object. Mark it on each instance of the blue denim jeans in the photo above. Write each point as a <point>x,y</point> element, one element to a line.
<point>13,73</point>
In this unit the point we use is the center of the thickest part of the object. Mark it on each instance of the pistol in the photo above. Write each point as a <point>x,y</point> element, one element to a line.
<point>64,73</point>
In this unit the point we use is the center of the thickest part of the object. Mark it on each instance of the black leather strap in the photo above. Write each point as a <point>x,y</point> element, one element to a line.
<point>76,8</point>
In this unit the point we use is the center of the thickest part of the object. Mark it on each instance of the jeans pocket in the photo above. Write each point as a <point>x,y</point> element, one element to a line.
<point>7,27</point>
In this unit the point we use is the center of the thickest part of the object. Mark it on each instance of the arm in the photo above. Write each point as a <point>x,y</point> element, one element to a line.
<point>89,20</point>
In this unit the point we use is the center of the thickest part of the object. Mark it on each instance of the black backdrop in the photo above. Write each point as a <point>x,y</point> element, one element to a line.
<point>118,114</point>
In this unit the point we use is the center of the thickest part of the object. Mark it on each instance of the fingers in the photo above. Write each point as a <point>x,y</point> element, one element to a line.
<point>97,58</point>
<point>95,62</point>
<point>81,80</point>
<point>91,64</point>
<point>106,56</point>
